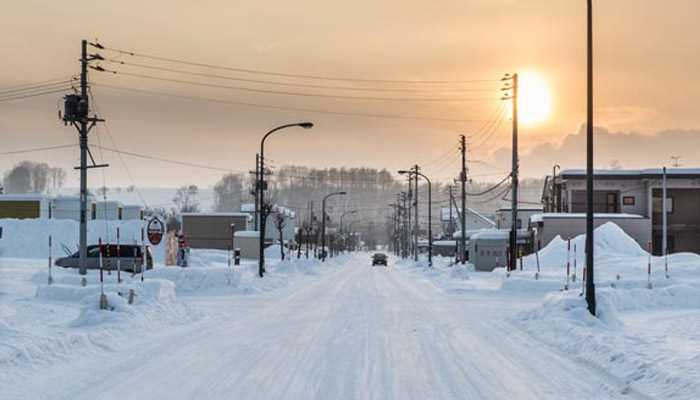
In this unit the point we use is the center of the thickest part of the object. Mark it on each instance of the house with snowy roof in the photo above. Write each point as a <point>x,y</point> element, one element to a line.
<point>632,198</point>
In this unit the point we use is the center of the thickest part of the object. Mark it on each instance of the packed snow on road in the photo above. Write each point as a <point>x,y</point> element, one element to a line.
<point>343,329</point>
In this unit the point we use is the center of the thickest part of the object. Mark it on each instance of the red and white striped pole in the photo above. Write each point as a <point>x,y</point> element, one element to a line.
<point>50,262</point>
<point>568,263</point>
<point>573,277</point>
<point>119,259</point>
<point>143,250</point>
<point>649,266</point>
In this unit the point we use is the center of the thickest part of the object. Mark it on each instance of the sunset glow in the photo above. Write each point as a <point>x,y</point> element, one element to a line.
<point>535,99</point>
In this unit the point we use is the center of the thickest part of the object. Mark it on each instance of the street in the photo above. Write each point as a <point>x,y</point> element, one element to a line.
<point>354,333</point>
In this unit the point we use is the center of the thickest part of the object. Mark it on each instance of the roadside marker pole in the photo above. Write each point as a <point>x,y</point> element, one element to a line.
<point>50,277</point>
<point>649,286</point>
<point>573,277</point>
<point>568,263</point>
<point>520,254</point>
<point>583,280</point>
<point>143,244</point>
<point>537,259</point>
<point>119,259</point>
<point>103,297</point>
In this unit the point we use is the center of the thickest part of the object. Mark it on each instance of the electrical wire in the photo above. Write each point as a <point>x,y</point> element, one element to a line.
<point>289,84</point>
<point>301,94</point>
<point>47,81</point>
<point>489,190</point>
<point>45,86</point>
<point>28,95</point>
<point>283,108</point>
<point>288,75</point>
<point>35,149</point>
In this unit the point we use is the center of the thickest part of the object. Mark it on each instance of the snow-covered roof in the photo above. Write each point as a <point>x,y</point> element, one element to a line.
<point>248,234</point>
<point>543,216</point>
<point>470,232</point>
<point>22,197</point>
<point>445,243</point>
<point>628,173</point>
<point>248,207</point>
<point>215,214</point>
<point>497,234</point>
<point>445,214</point>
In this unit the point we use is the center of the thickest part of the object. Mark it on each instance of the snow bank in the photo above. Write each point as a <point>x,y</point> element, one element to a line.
<point>609,241</point>
<point>29,238</point>
<point>656,365</point>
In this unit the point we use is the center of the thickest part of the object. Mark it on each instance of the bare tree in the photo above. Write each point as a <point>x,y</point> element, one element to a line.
<point>280,223</point>
<point>227,192</point>
<point>186,199</point>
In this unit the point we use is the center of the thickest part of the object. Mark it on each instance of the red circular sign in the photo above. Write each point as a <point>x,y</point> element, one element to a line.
<point>155,231</point>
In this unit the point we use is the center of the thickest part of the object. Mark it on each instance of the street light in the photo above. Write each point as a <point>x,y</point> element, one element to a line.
<point>261,191</point>
<point>323,222</point>
<point>341,226</point>
<point>430,206</point>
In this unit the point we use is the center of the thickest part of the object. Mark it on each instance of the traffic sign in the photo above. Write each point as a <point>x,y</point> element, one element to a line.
<point>155,230</point>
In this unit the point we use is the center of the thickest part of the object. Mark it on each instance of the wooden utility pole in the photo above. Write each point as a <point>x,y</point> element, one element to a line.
<point>463,180</point>
<point>512,87</point>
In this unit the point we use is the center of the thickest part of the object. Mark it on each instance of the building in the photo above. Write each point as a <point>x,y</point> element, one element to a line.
<point>504,217</point>
<point>64,207</point>
<point>213,230</point>
<point>474,221</point>
<point>488,249</point>
<point>22,206</point>
<point>638,192</point>
<point>271,232</point>
<point>547,226</point>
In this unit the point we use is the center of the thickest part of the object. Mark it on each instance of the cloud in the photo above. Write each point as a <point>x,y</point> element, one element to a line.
<point>629,149</point>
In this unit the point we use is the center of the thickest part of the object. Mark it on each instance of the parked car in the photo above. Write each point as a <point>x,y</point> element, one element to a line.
<point>130,258</point>
<point>379,259</point>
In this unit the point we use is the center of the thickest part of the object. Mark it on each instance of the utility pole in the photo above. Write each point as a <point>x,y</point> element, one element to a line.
<point>450,226</point>
<point>590,285</point>
<point>409,199</point>
<point>76,112</point>
<point>512,87</point>
<point>404,225</point>
<point>257,189</point>
<point>463,180</point>
<point>415,222</point>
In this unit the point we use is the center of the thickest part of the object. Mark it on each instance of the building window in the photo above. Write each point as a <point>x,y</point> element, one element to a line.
<point>658,207</point>
<point>603,202</point>
<point>628,200</point>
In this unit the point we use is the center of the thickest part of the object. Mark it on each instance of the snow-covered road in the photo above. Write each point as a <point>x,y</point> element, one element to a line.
<point>354,333</point>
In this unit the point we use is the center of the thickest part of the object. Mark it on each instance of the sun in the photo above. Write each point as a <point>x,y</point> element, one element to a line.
<point>534,98</point>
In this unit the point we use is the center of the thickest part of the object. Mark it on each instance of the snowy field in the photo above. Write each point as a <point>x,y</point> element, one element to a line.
<point>345,330</point>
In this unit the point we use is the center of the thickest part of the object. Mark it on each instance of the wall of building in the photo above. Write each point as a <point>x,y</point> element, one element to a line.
<point>569,227</point>
<point>212,231</point>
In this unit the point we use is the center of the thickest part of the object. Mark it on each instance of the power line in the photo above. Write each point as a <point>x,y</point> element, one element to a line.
<point>63,79</point>
<point>301,94</point>
<point>283,108</point>
<point>30,88</point>
<point>33,94</point>
<point>166,160</point>
<point>289,84</point>
<point>35,149</point>
<point>288,75</point>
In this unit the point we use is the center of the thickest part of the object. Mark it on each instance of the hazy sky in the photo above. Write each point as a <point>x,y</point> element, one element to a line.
<point>647,53</point>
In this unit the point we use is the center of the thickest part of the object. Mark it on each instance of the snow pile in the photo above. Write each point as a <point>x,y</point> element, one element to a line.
<point>191,280</point>
<point>29,238</point>
<point>609,241</point>
<point>661,364</point>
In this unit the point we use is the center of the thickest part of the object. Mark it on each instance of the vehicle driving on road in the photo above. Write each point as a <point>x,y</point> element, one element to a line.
<point>379,259</point>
